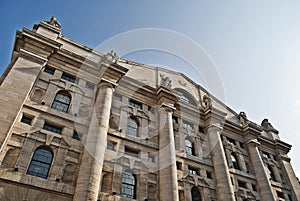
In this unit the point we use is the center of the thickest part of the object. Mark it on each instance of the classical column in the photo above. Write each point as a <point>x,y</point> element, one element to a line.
<point>167,156</point>
<point>291,177</point>
<point>263,181</point>
<point>88,181</point>
<point>222,176</point>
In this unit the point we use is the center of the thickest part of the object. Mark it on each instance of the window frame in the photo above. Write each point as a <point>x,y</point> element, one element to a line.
<point>58,102</point>
<point>35,162</point>
<point>132,127</point>
<point>126,184</point>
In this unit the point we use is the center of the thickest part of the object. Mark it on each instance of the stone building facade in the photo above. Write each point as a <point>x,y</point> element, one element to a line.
<point>81,125</point>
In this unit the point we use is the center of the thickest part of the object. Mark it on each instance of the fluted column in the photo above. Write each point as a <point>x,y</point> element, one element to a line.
<point>167,156</point>
<point>88,181</point>
<point>263,181</point>
<point>222,176</point>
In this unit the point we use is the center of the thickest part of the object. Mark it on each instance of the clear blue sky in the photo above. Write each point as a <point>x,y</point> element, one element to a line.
<point>254,44</point>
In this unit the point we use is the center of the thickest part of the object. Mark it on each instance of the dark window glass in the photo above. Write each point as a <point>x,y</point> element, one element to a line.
<point>128,185</point>
<point>195,194</point>
<point>131,152</point>
<point>254,187</point>
<point>61,101</point>
<point>280,194</point>
<point>76,136</point>
<point>231,141</point>
<point>189,148</point>
<point>193,170</point>
<point>51,128</point>
<point>265,154</point>
<point>178,165</point>
<point>49,70</point>
<point>40,163</point>
<point>69,78</point>
<point>132,127</point>
<point>174,119</point>
<point>242,184</point>
<point>135,104</point>
<point>208,175</point>
<point>89,85</point>
<point>201,129</point>
<point>234,161</point>
<point>111,145</point>
<point>26,119</point>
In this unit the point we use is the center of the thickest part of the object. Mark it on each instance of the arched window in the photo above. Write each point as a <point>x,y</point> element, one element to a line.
<point>128,185</point>
<point>132,127</point>
<point>235,161</point>
<point>195,194</point>
<point>62,101</point>
<point>271,173</point>
<point>189,148</point>
<point>186,97</point>
<point>40,162</point>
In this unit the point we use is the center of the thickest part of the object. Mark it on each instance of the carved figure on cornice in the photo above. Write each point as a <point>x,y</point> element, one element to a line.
<point>206,102</point>
<point>266,124</point>
<point>53,21</point>
<point>112,56</point>
<point>242,118</point>
<point>165,81</point>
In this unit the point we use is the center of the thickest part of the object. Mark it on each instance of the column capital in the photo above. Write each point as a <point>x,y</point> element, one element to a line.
<point>105,83</point>
<point>167,107</point>
<point>252,142</point>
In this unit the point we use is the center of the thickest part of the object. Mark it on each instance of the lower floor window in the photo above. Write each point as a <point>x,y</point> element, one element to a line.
<point>128,185</point>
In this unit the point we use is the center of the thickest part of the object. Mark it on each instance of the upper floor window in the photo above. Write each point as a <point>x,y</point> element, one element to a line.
<point>265,154</point>
<point>52,128</point>
<point>242,184</point>
<point>235,161</point>
<point>196,196</point>
<point>89,85</point>
<point>187,124</point>
<point>189,148</point>
<point>26,119</point>
<point>128,185</point>
<point>134,104</point>
<point>111,145</point>
<point>62,101</point>
<point>132,152</point>
<point>193,170</point>
<point>49,70</point>
<point>40,162</point>
<point>231,141</point>
<point>68,77</point>
<point>132,127</point>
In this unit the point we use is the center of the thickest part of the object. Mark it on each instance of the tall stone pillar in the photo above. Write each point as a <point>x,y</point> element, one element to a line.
<point>168,183</point>
<point>259,169</point>
<point>89,176</point>
<point>221,171</point>
<point>88,181</point>
<point>287,168</point>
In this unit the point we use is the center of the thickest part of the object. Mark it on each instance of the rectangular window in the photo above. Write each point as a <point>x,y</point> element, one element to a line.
<point>49,70</point>
<point>69,78</point>
<point>52,128</point>
<point>187,124</point>
<point>193,170</point>
<point>254,187</point>
<point>242,184</point>
<point>26,119</point>
<point>132,152</point>
<point>178,165</point>
<point>265,154</point>
<point>209,175</point>
<point>201,129</point>
<point>89,85</point>
<point>111,145</point>
<point>135,104</point>
<point>280,194</point>
<point>76,136</point>
<point>242,145</point>
<point>151,158</point>
<point>231,141</point>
